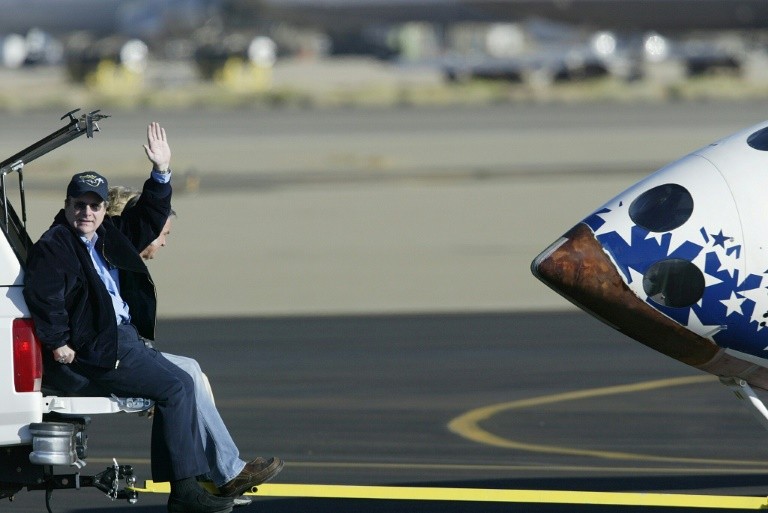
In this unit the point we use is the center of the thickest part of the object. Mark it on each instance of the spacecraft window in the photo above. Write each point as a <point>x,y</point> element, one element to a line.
<point>663,208</point>
<point>674,282</point>
<point>759,140</point>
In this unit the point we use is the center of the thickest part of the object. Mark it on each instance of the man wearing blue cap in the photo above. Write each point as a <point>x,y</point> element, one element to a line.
<point>93,301</point>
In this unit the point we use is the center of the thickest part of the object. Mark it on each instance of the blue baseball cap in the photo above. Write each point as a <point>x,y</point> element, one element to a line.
<point>88,181</point>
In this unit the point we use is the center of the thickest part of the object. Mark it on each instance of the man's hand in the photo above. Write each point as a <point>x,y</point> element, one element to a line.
<point>64,354</point>
<point>157,148</point>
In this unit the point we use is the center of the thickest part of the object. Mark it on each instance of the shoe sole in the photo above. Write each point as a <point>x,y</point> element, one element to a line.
<point>241,501</point>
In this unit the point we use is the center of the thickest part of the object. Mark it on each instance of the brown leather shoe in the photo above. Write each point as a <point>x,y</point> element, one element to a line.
<point>253,474</point>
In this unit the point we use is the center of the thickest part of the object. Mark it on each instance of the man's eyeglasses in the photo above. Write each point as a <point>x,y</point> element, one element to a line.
<point>81,205</point>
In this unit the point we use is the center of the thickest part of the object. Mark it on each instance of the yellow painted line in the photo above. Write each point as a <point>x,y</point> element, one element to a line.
<point>490,495</point>
<point>468,424</point>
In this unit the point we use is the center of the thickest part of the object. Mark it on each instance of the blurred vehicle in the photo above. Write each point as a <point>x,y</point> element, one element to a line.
<point>536,52</point>
<point>597,37</point>
<point>46,26</point>
<point>84,33</point>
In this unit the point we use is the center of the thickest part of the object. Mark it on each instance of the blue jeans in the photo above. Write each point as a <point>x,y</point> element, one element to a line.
<point>221,453</point>
<point>220,450</point>
<point>177,451</point>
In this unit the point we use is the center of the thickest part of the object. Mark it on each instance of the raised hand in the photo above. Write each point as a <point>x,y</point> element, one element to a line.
<point>157,148</point>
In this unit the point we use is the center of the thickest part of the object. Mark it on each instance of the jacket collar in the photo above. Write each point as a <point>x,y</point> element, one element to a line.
<point>115,247</point>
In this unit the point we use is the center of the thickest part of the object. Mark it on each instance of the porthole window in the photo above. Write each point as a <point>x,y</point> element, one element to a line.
<point>662,208</point>
<point>674,282</point>
<point>759,140</point>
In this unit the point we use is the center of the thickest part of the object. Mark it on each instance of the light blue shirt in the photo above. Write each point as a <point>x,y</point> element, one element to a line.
<point>109,275</point>
<point>161,177</point>
<point>110,278</point>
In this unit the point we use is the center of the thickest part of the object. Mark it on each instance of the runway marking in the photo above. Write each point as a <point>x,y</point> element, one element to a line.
<point>494,495</point>
<point>468,424</point>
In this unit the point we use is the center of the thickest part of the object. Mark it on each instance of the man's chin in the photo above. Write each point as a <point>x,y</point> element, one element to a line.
<point>84,229</point>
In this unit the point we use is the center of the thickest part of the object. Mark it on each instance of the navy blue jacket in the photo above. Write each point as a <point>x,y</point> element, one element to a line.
<point>68,301</point>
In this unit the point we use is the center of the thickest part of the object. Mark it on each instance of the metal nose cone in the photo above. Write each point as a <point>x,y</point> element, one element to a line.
<point>577,267</point>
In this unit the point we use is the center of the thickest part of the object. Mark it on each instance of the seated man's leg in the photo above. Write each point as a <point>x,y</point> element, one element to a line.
<point>220,450</point>
<point>143,372</point>
<point>191,367</point>
<point>231,475</point>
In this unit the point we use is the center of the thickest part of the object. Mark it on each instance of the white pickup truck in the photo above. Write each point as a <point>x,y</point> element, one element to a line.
<point>42,430</point>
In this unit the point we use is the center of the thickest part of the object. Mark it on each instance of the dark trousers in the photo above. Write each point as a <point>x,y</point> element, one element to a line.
<point>177,451</point>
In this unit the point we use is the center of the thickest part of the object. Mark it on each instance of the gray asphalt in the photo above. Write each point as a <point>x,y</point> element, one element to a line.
<point>368,400</point>
<point>353,281</point>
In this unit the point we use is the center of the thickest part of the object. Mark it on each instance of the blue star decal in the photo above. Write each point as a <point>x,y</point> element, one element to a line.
<point>719,239</point>
<point>738,303</point>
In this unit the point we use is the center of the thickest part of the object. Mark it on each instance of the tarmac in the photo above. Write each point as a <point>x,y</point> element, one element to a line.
<point>509,401</point>
<point>356,281</point>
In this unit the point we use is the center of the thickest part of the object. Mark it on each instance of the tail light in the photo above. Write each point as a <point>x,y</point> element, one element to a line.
<point>27,357</point>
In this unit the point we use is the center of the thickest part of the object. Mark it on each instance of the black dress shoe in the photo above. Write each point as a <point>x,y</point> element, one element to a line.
<point>253,474</point>
<point>197,500</point>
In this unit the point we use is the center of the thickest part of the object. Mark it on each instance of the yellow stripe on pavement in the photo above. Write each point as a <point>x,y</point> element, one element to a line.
<point>489,495</point>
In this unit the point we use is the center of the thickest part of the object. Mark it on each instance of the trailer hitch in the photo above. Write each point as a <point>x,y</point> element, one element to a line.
<point>109,481</point>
